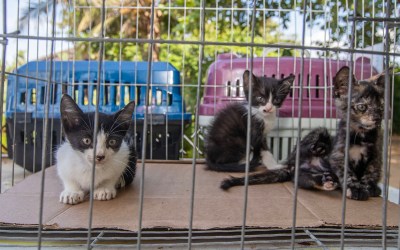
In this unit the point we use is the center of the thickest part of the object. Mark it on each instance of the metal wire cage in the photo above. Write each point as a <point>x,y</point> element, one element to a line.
<point>182,61</point>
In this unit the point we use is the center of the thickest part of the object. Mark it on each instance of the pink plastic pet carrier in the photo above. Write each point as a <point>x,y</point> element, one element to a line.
<point>224,85</point>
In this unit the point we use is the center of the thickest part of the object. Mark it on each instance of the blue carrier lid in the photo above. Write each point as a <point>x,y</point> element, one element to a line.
<point>121,82</point>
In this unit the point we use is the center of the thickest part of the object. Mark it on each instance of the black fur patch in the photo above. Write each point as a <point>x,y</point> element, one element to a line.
<point>314,169</point>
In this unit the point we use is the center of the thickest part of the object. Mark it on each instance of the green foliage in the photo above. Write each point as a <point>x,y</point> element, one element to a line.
<point>335,17</point>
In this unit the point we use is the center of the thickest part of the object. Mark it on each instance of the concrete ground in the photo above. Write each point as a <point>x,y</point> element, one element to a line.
<point>9,169</point>
<point>11,173</point>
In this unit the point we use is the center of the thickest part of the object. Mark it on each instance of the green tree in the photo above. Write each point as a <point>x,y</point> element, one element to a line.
<point>336,18</point>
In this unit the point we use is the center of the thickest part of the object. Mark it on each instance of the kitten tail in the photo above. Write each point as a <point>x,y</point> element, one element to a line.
<point>265,177</point>
<point>232,167</point>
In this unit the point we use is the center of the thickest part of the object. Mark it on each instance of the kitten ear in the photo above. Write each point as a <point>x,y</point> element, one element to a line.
<point>71,114</point>
<point>246,80</point>
<point>380,81</point>
<point>341,82</point>
<point>286,83</point>
<point>124,116</point>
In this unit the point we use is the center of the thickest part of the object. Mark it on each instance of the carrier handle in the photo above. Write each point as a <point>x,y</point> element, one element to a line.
<point>267,50</point>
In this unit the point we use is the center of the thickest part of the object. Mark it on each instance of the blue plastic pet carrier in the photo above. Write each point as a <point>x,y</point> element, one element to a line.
<point>121,82</point>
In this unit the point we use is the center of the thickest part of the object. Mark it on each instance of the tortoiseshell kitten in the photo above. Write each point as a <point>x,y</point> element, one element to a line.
<point>365,148</point>
<point>226,138</point>
<point>314,169</point>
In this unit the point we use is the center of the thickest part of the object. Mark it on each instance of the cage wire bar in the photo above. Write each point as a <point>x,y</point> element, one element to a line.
<point>347,140</point>
<point>299,125</point>
<point>96,122</point>
<point>144,141</point>
<point>196,124</point>
<point>46,126</point>
<point>248,132</point>
<point>386,129</point>
<point>15,102</point>
<point>2,75</point>
<point>202,43</point>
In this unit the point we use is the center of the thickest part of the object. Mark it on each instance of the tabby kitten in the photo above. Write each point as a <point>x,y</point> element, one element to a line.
<point>115,156</point>
<point>226,138</point>
<point>314,168</point>
<point>365,150</point>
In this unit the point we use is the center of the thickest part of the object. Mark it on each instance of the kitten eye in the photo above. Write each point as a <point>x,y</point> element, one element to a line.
<point>112,142</point>
<point>260,99</point>
<point>278,100</point>
<point>362,107</point>
<point>86,141</point>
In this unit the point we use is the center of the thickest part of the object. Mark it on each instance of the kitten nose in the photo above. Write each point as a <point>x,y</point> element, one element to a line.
<point>377,119</point>
<point>100,157</point>
<point>267,108</point>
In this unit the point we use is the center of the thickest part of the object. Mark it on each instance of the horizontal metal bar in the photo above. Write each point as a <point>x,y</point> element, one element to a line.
<point>375,19</point>
<point>106,242</point>
<point>195,236</point>
<point>184,42</point>
<point>219,8</point>
<point>142,84</point>
<point>111,84</point>
<point>169,231</point>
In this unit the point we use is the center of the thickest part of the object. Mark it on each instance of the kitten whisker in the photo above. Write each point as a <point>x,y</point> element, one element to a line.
<point>115,132</point>
<point>119,124</point>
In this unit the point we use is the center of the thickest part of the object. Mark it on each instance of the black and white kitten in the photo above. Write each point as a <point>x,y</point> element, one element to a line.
<point>226,138</point>
<point>365,150</point>
<point>314,168</point>
<point>115,156</point>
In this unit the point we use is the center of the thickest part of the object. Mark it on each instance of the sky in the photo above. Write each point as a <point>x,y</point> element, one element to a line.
<point>31,47</point>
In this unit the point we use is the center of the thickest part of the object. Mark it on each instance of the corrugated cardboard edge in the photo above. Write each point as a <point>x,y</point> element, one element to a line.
<point>158,175</point>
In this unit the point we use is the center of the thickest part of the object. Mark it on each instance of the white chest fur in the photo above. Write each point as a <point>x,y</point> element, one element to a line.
<point>356,153</point>
<point>268,119</point>
<point>75,168</point>
<point>316,161</point>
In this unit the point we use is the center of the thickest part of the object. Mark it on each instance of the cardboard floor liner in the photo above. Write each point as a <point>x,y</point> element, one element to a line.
<point>167,192</point>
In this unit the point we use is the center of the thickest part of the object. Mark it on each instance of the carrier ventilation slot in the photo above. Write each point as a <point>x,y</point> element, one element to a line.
<point>137,95</point>
<point>22,98</point>
<point>158,97</point>
<point>237,88</point>
<point>106,94</point>
<point>228,88</point>
<point>169,98</point>
<point>53,93</point>
<point>33,96</point>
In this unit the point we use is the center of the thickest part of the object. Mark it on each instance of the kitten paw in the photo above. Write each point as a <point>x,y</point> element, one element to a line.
<point>374,190</point>
<point>328,182</point>
<point>329,186</point>
<point>70,197</point>
<point>104,194</point>
<point>360,194</point>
